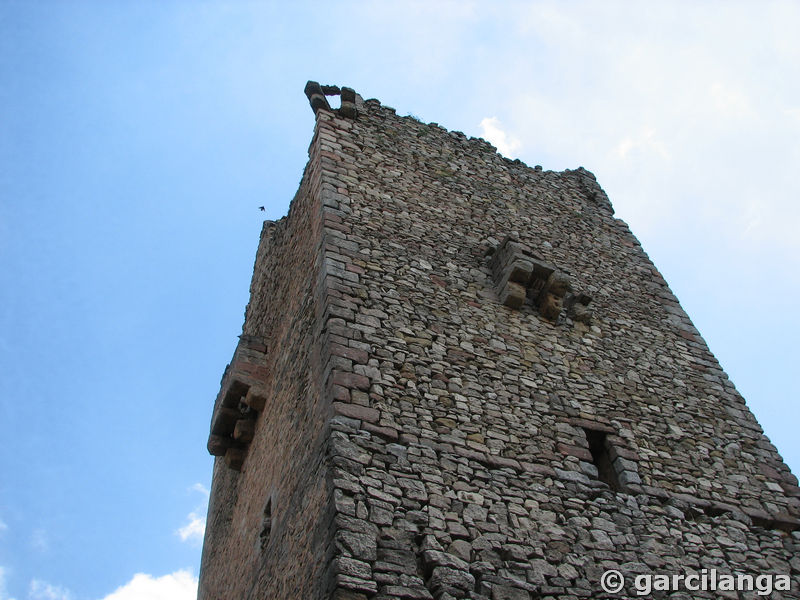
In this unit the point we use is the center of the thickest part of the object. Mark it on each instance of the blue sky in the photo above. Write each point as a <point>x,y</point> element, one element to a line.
<point>137,141</point>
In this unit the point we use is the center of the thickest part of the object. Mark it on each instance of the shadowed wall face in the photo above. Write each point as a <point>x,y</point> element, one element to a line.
<point>482,385</point>
<point>270,514</point>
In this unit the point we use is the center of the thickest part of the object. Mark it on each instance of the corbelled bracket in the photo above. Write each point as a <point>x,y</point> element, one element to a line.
<point>522,277</point>
<point>241,399</point>
<point>317,93</point>
<point>233,423</point>
<point>316,97</point>
<point>577,306</point>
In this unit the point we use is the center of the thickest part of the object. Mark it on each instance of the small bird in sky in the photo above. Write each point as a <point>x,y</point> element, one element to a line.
<point>261,208</point>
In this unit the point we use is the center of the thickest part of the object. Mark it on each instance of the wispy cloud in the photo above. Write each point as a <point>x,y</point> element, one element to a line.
<point>39,540</point>
<point>494,133</point>
<point>646,140</point>
<point>3,589</point>
<point>675,120</point>
<point>200,488</point>
<point>195,528</point>
<point>180,585</point>
<point>41,590</point>
<point>3,526</point>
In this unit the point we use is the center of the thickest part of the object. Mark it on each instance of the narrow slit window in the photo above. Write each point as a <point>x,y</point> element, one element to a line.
<point>266,524</point>
<point>598,447</point>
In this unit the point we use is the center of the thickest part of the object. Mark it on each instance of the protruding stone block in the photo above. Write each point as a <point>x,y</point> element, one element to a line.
<point>520,271</point>
<point>578,308</point>
<point>233,395</point>
<point>256,399</point>
<point>348,108</point>
<point>218,445</point>
<point>512,295</point>
<point>244,430</point>
<point>316,97</point>
<point>224,421</point>
<point>312,87</point>
<point>234,458</point>
<point>551,300</point>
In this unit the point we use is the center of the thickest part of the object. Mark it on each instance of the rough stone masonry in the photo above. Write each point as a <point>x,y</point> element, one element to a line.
<point>462,377</point>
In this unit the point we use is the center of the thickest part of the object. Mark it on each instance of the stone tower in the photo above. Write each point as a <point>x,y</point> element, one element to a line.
<point>462,377</point>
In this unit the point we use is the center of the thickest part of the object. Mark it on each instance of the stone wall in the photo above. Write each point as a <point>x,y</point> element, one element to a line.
<point>517,401</point>
<point>269,530</point>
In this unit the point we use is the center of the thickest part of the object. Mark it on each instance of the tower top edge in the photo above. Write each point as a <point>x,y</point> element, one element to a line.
<point>352,103</point>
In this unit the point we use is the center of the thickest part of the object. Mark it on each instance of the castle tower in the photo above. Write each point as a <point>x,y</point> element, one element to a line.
<point>462,377</point>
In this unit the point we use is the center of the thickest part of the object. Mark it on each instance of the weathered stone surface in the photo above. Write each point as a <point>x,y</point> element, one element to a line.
<point>512,295</point>
<point>507,592</point>
<point>224,421</point>
<point>358,545</point>
<point>234,458</point>
<point>418,439</point>
<point>218,445</point>
<point>355,411</point>
<point>443,559</point>
<point>244,430</point>
<point>256,399</point>
<point>445,579</point>
<point>551,300</point>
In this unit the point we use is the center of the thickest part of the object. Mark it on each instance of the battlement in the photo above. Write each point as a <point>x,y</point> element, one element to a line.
<point>462,377</point>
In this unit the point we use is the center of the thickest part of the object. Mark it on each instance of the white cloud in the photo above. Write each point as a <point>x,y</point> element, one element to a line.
<point>181,585</point>
<point>194,530</point>
<point>41,590</point>
<point>494,133</point>
<point>3,526</point>
<point>3,590</point>
<point>199,487</point>
<point>683,116</point>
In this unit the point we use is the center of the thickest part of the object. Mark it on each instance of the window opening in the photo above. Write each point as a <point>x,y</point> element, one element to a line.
<point>266,524</point>
<point>598,447</point>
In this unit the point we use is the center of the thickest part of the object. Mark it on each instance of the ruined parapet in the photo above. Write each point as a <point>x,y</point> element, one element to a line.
<point>317,93</point>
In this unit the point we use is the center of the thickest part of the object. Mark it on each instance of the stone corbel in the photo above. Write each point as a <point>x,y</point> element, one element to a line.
<point>317,93</point>
<point>241,399</point>
<point>522,277</point>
